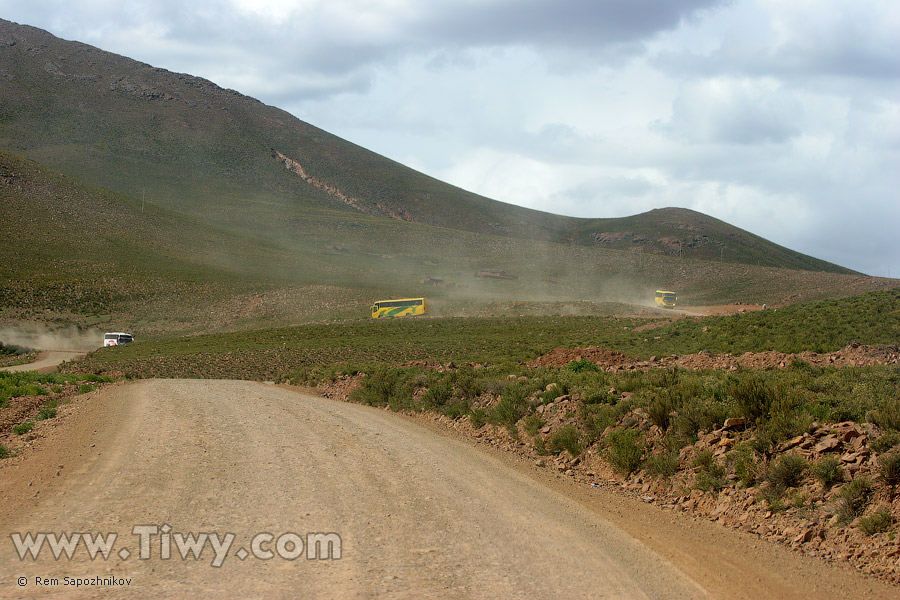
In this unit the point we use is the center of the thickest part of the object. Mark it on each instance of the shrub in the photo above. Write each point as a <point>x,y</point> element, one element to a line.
<point>478,417</point>
<point>887,414</point>
<point>885,442</point>
<point>711,475</point>
<point>567,438</point>
<point>659,411</point>
<point>752,395</point>
<point>854,499</point>
<point>889,469</point>
<point>747,469</point>
<point>48,412</point>
<point>541,447</point>
<point>4,451</point>
<point>377,389</point>
<point>84,388</point>
<point>625,448</point>
<point>533,423</point>
<point>513,406</point>
<point>878,522</point>
<point>698,415</point>
<point>773,496</point>
<point>788,471</point>
<point>582,366</point>
<point>438,395</point>
<point>664,464</point>
<point>23,428</point>
<point>827,471</point>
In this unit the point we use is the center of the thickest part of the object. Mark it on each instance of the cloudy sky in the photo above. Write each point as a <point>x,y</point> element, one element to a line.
<point>781,117</point>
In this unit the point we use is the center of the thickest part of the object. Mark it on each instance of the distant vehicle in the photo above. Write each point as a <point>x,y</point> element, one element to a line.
<point>117,339</point>
<point>399,308</point>
<point>494,274</point>
<point>665,298</point>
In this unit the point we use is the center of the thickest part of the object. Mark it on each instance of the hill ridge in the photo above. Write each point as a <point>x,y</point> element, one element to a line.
<point>207,151</point>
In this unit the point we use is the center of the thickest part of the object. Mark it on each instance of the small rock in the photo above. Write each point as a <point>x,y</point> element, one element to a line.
<point>734,423</point>
<point>828,443</point>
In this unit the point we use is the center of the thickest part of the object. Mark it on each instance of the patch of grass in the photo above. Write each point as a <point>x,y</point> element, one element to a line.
<point>4,452</point>
<point>878,522</point>
<point>625,450</point>
<point>887,414</point>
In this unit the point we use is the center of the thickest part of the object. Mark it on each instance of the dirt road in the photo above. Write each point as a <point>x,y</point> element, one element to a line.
<point>46,361</point>
<point>419,514</point>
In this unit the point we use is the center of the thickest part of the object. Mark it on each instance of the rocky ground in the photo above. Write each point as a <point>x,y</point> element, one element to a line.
<point>853,355</point>
<point>809,516</point>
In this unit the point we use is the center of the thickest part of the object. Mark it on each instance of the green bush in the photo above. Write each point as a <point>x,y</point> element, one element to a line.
<point>4,451</point>
<point>513,406</point>
<point>887,414</point>
<point>566,438</point>
<point>710,475</point>
<point>478,417</point>
<point>889,468</point>
<point>827,470</point>
<point>752,395</point>
<point>885,442</point>
<point>660,409</point>
<point>533,424</point>
<point>47,412</point>
<point>663,464</point>
<point>855,496</point>
<point>747,469</point>
<point>788,471</point>
<point>878,522</point>
<point>582,366</point>
<point>438,395</point>
<point>23,428</point>
<point>624,450</point>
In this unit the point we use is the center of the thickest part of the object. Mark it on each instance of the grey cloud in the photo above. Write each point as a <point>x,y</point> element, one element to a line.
<point>733,112</point>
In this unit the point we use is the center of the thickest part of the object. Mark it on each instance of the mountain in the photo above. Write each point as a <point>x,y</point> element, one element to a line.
<point>184,143</point>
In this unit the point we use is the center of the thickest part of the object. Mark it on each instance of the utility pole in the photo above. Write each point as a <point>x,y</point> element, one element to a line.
<point>142,200</point>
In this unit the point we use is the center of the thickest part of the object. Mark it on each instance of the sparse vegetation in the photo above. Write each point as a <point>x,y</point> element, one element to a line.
<point>855,496</point>
<point>878,522</point>
<point>567,438</point>
<point>23,428</point>
<point>788,471</point>
<point>827,471</point>
<point>625,450</point>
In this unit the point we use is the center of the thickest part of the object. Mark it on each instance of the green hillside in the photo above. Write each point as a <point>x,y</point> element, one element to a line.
<point>228,160</point>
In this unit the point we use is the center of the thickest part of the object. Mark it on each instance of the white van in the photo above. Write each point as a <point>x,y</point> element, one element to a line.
<point>114,339</point>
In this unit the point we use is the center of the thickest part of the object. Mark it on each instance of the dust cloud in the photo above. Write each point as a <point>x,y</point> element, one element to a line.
<point>40,337</point>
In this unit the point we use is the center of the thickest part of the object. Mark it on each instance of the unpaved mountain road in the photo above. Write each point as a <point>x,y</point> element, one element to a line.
<point>47,361</point>
<point>420,514</point>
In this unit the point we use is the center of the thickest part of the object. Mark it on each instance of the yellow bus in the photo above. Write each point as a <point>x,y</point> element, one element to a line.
<point>399,308</point>
<point>665,298</point>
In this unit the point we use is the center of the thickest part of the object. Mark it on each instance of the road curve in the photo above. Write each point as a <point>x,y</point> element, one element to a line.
<point>419,515</point>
